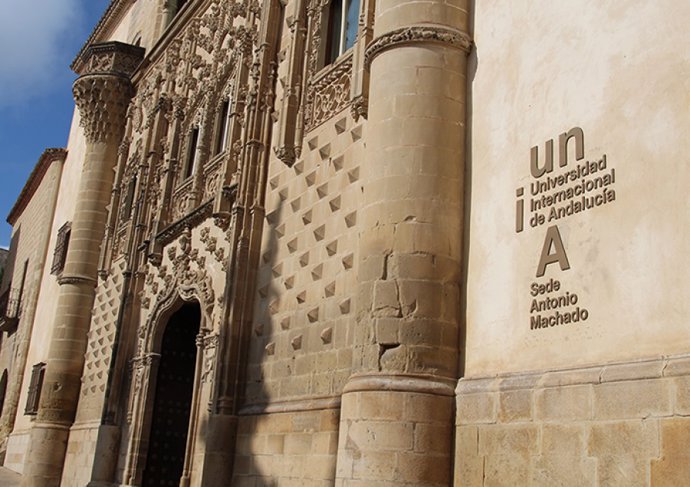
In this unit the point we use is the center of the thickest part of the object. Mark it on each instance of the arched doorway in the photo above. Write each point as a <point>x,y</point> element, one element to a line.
<point>173,399</point>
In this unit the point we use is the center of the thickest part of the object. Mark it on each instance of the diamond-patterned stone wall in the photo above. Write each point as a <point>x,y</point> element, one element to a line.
<point>302,333</point>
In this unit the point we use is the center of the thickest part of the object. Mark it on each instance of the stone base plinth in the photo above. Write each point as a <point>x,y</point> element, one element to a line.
<point>287,448</point>
<point>395,431</point>
<point>621,424</point>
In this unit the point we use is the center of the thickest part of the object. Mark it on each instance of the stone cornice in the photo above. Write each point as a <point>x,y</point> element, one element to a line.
<point>112,16</point>
<point>44,162</point>
<point>417,383</point>
<point>113,58</point>
<point>76,279</point>
<point>417,34</point>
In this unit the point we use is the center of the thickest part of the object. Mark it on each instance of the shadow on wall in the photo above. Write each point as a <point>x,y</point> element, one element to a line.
<point>239,453</point>
<point>256,457</point>
<point>472,65</point>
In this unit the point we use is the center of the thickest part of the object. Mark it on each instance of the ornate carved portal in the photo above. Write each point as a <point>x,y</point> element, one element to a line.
<point>173,399</point>
<point>167,378</point>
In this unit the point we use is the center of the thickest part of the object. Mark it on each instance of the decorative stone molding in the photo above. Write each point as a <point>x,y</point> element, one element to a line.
<point>359,108</point>
<point>328,93</point>
<point>417,34</point>
<point>287,154</point>
<point>62,280</point>
<point>103,92</point>
<point>209,345</point>
<point>193,219</point>
<point>113,58</point>
<point>438,386</point>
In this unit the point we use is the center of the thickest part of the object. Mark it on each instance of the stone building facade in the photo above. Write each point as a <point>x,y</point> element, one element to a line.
<point>362,242</point>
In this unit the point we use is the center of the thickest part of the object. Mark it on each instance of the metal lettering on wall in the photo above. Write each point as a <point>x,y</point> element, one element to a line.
<point>554,195</point>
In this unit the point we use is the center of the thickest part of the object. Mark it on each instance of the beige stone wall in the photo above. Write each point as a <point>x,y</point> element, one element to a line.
<point>32,228</point>
<point>45,306</point>
<point>538,71</point>
<point>288,448</point>
<point>81,451</point>
<point>141,19</point>
<point>622,424</point>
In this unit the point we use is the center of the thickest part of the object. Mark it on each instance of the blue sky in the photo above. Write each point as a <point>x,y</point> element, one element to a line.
<point>38,41</point>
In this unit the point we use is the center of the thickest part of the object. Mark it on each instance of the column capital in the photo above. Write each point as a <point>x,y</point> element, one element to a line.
<point>103,90</point>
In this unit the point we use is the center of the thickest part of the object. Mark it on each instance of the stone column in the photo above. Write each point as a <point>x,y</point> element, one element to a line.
<point>102,94</point>
<point>397,409</point>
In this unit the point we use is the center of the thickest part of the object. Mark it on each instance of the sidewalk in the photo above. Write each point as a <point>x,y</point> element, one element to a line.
<point>8,478</point>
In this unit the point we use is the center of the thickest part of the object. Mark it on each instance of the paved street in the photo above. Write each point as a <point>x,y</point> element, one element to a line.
<point>8,478</point>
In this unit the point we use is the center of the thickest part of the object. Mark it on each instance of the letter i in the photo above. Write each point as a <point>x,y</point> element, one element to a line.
<point>519,210</point>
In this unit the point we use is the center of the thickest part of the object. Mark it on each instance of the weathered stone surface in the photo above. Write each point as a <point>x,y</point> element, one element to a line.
<point>632,399</point>
<point>515,406</point>
<point>564,403</point>
<point>477,408</point>
<point>562,461</point>
<point>673,468</point>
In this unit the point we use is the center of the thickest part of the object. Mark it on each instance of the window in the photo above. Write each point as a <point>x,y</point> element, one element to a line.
<point>21,288</point>
<point>343,18</point>
<point>129,199</point>
<point>3,390</point>
<point>192,153</point>
<point>223,123</point>
<point>60,254</point>
<point>176,6</point>
<point>35,386</point>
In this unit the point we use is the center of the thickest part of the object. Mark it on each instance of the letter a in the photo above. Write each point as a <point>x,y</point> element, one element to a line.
<point>553,238</point>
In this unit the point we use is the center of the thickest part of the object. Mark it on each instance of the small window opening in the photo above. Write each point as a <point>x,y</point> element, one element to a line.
<point>35,386</point>
<point>61,247</point>
<point>223,124</point>
<point>192,153</point>
<point>129,199</point>
<point>343,22</point>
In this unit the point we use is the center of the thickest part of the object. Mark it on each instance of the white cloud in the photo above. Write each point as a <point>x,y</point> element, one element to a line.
<point>34,37</point>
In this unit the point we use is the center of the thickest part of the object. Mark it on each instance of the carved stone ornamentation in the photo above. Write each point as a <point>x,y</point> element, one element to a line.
<point>359,108</point>
<point>417,34</point>
<point>102,102</point>
<point>103,92</point>
<point>287,154</point>
<point>112,58</point>
<point>329,93</point>
<point>209,345</point>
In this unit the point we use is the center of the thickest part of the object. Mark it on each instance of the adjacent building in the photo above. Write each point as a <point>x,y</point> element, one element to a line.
<point>359,243</point>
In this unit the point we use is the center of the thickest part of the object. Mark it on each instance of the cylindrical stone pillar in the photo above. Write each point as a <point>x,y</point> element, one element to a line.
<point>102,95</point>
<point>397,409</point>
